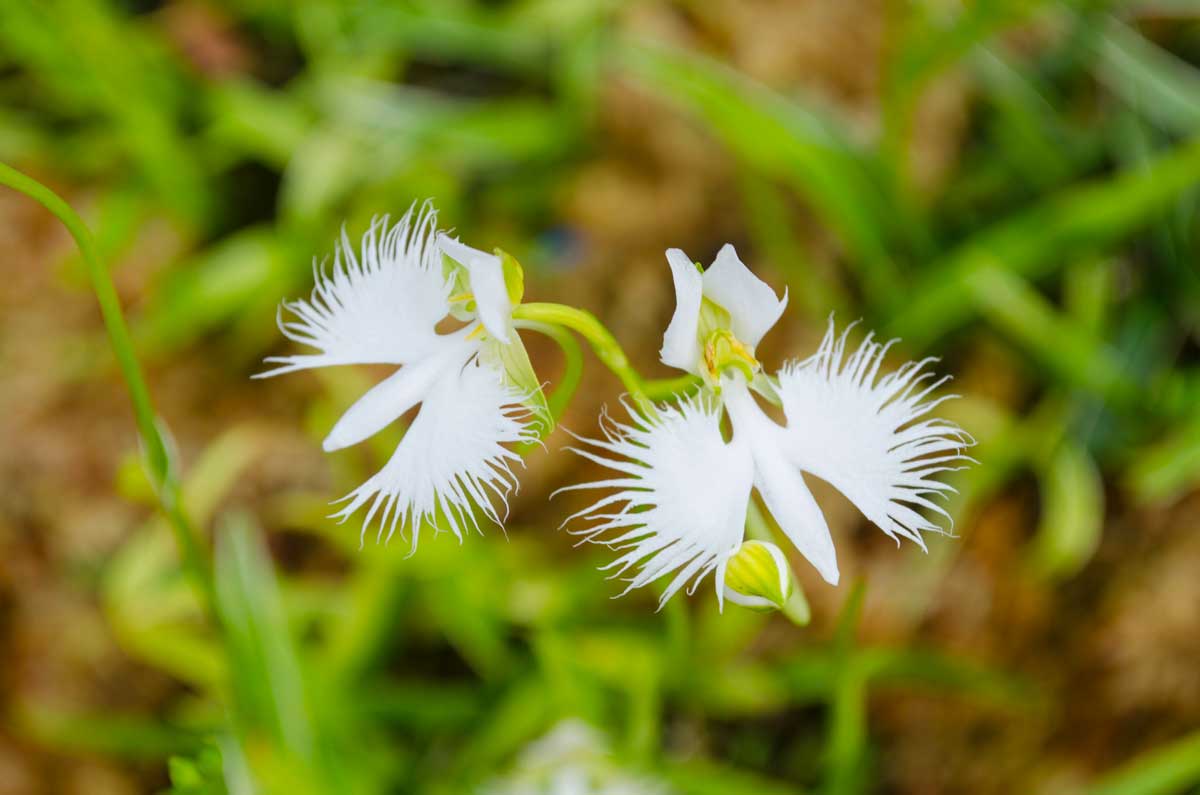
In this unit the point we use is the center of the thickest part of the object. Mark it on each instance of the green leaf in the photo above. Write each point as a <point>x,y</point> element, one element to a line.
<point>1171,768</point>
<point>268,688</point>
<point>846,736</point>
<point>1055,340</point>
<point>930,42</point>
<point>1081,220</point>
<point>199,774</point>
<point>1072,516</point>
<point>1168,468</point>
<point>128,736</point>
<point>946,674</point>
<point>203,294</point>
<point>1155,83</point>
<point>778,137</point>
<point>703,777</point>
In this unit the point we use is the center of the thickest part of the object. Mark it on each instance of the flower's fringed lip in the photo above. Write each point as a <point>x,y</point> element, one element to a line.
<point>681,494</point>
<point>863,433</point>
<point>385,402</point>
<point>452,459</point>
<point>379,305</point>
<point>780,483</point>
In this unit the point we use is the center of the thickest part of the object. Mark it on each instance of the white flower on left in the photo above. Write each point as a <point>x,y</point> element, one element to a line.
<point>382,304</point>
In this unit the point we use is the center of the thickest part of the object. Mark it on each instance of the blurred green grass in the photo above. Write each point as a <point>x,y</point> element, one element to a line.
<point>1065,232</point>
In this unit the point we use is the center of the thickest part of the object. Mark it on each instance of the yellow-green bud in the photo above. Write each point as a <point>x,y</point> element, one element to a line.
<point>757,576</point>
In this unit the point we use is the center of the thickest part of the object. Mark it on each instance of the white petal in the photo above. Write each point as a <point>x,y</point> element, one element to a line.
<point>680,347</point>
<point>486,275</point>
<point>751,303</point>
<point>377,306</point>
<point>682,492</point>
<point>393,396</point>
<point>452,460</point>
<point>781,485</point>
<point>861,433</point>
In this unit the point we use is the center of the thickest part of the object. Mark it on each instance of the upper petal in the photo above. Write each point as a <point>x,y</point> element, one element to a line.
<point>680,346</point>
<point>379,305</point>
<point>751,303</point>
<point>782,486</point>
<point>486,274</point>
<point>681,494</point>
<point>453,459</point>
<point>862,434</point>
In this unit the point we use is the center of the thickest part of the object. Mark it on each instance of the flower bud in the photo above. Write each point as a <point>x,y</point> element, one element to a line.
<point>758,576</point>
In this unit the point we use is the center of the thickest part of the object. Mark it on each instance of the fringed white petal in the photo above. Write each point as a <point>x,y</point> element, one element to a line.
<point>751,303</point>
<point>682,493</point>
<point>781,485</point>
<point>452,459</point>
<point>865,436</point>
<point>485,273</point>
<point>379,305</point>
<point>680,346</point>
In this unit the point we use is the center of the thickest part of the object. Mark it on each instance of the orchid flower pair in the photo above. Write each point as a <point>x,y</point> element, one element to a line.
<point>683,484</point>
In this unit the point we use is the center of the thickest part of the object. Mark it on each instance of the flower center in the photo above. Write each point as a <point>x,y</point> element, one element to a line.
<point>722,351</point>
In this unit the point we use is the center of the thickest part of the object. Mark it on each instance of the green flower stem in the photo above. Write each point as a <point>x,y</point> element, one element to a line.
<point>572,366</point>
<point>848,720</point>
<point>662,388</point>
<point>195,558</point>
<point>607,349</point>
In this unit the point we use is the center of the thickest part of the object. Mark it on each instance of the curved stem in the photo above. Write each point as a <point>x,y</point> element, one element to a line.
<point>195,559</point>
<point>572,365</point>
<point>661,388</point>
<point>606,347</point>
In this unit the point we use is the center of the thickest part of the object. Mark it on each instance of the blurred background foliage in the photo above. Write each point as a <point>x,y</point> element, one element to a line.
<point>1008,184</point>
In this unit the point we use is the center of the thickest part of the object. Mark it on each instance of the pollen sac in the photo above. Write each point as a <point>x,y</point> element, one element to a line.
<point>757,576</point>
<point>722,350</point>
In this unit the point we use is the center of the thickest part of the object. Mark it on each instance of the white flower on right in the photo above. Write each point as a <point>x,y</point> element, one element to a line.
<point>682,490</point>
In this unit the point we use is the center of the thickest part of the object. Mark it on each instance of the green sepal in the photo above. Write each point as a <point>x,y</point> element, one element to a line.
<point>514,276</point>
<point>768,387</point>
<point>460,285</point>
<point>518,371</point>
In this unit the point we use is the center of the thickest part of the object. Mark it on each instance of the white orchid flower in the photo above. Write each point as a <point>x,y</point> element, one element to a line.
<point>683,489</point>
<point>475,388</point>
